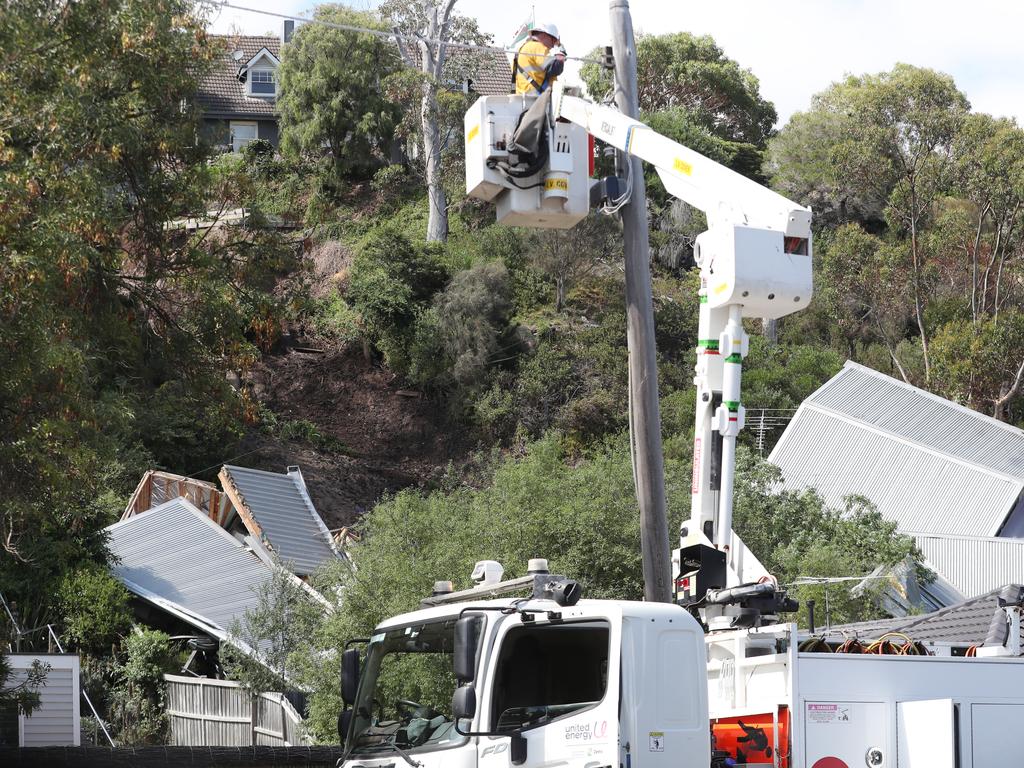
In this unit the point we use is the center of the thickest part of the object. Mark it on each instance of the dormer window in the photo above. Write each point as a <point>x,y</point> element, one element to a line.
<point>262,82</point>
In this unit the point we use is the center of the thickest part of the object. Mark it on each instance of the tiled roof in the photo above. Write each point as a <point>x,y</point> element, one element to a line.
<point>221,93</point>
<point>963,624</point>
<point>489,72</point>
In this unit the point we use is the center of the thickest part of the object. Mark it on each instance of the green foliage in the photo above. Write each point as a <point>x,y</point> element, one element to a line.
<point>21,698</point>
<point>108,309</point>
<point>796,535</point>
<point>460,337</point>
<point>137,697</point>
<point>94,607</point>
<point>685,72</point>
<point>274,629</point>
<point>332,108</point>
<point>972,365</point>
<point>391,282</point>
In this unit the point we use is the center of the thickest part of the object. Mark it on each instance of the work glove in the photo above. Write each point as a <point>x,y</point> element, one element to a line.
<point>558,51</point>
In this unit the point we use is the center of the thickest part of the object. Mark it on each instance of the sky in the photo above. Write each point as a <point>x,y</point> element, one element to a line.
<point>796,48</point>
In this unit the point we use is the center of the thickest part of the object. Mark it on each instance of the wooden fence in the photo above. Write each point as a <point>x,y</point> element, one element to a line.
<point>203,712</point>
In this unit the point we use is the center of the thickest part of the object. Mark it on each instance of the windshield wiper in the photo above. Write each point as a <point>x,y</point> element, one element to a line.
<point>403,753</point>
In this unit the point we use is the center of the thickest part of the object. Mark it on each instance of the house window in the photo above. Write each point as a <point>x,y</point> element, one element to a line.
<point>242,134</point>
<point>262,82</point>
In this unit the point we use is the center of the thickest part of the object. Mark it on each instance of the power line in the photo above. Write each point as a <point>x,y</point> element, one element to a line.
<point>396,36</point>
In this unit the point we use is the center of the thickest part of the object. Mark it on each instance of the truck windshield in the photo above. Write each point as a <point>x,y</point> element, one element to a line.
<point>405,693</point>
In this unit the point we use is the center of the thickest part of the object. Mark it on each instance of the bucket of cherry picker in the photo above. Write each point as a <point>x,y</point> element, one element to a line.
<point>535,169</point>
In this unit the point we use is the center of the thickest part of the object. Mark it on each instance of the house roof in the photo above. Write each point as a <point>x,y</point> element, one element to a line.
<point>176,558</point>
<point>963,624</point>
<point>928,464</point>
<point>283,513</point>
<point>489,72</point>
<point>221,93</point>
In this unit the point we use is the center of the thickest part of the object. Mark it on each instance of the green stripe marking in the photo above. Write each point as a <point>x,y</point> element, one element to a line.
<point>732,405</point>
<point>707,344</point>
<point>735,357</point>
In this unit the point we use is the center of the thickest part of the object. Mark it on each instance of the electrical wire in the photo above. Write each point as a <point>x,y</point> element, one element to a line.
<point>396,36</point>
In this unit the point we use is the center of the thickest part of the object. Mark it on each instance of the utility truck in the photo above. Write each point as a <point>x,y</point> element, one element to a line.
<point>524,672</point>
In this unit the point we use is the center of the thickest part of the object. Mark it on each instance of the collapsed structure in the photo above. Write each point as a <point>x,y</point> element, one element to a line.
<point>948,476</point>
<point>196,557</point>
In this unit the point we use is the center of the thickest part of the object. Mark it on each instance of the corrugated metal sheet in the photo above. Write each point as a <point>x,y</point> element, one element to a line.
<point>917,488</point>
<point>923,418</point>
<point>176,557</point>
<point>56,723</point>
<point>974,564</point>
<point>282,508</point>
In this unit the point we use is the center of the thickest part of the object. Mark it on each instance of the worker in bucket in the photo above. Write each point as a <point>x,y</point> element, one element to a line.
<point>539,60</point>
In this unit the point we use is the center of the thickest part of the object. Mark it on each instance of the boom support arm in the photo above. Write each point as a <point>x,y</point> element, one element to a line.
<point>755,261</point>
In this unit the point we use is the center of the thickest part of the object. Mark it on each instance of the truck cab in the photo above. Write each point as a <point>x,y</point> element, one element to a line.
<point>532,681</point>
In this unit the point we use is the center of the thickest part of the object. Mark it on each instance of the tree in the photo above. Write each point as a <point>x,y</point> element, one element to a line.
<point>104,296</point>
<point>274,629</point>
<point>568,256</point>
<point>981,363</point>
<point>137,696</point>
<point>460,337</point>
<point>892,137</point>
<point>989,157</point>
<point>692,74</point>
<point>332,106</point>
<point>434,24</point>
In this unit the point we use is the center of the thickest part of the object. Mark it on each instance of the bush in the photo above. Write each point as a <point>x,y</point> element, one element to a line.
<point>137,699</point>
<point>94,608</point>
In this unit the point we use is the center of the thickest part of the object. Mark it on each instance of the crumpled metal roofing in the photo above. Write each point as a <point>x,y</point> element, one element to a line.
<point>974,564</point>
<point>176,558</point>
<point>930,465</point>
<point>281,506</point>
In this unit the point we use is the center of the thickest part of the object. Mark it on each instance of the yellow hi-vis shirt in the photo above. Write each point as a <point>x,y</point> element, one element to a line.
<point>530,76</point>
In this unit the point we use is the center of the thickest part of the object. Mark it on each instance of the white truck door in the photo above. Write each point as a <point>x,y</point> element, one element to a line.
<point>926,734</point>
<point>556,684</point>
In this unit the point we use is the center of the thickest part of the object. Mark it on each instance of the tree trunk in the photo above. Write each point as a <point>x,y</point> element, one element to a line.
<point>559,292</point>
<point>770,329</point>
<point>918,301</point>
<point>437,223</point>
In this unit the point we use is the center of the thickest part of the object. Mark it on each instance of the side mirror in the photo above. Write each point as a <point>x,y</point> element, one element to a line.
<point>349,676</point>
<point>464,703</point>
<point>344,720</point>
<point>467,636</point>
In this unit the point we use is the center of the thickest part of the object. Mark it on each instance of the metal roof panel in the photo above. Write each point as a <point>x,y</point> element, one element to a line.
<point>282,508</point>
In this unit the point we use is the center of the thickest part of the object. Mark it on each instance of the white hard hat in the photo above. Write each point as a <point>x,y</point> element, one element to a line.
<point>550,29</point>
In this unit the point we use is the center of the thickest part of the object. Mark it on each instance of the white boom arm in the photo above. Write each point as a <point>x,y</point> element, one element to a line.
<point>755,261</point>
<point>724,196</point>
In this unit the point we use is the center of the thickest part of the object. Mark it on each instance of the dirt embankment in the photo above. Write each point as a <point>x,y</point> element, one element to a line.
<point>371,437</point>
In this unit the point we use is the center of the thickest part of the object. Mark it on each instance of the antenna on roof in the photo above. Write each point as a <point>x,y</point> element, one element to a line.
<point>237,55</point>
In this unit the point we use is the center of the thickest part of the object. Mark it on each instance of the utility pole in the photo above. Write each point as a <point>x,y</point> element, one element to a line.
<point>644,412</point>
